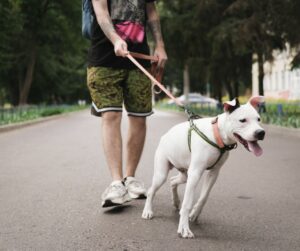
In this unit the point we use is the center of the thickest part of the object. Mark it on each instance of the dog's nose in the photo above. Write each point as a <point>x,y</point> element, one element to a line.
<point>260,134</point>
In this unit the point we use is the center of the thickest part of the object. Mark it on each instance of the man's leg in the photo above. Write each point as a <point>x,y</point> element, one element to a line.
<point>134,149</point>
<point>138,103</point>
<point>112,143</point>
<point>116,193</point>
<point>135,143</point>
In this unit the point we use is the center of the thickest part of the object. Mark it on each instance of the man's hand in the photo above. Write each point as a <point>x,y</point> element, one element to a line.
<point>120,48</point>
<point>154,25</point>
<point>161,54</point>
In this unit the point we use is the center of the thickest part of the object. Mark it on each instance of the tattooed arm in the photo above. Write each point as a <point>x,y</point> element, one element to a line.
<point>104,20</point>
<point>154,25</point>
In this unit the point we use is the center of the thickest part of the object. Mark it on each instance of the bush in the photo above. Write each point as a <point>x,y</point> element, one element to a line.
<point>19,114</point>
<point>51,112</point>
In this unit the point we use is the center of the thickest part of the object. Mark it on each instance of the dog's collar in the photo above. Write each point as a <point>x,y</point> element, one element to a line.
<point>216,132</point>
<point>218,138</point>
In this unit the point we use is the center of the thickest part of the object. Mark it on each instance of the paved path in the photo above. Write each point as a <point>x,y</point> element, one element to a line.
<point>52,175</point>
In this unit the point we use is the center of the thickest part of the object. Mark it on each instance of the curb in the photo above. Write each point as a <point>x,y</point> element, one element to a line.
<point>11,127</point>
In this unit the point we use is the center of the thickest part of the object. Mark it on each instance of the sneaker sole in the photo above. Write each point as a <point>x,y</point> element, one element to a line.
<point>116,202</point>
<point>137,196</point>
<point>109,203</point>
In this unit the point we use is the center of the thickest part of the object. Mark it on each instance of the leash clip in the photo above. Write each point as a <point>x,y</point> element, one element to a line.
<point>191,115</point>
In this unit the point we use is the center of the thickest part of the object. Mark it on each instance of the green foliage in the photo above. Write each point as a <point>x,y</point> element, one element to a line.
<point>216,38</point>
<point>51,112</point>
<point>219,38</point>
<point>50,33</point>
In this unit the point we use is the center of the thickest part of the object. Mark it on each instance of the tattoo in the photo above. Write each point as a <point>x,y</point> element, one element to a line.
<point>154,26</point>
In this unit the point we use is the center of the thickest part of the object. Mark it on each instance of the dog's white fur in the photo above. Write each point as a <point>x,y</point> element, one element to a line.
<point>173,151</point>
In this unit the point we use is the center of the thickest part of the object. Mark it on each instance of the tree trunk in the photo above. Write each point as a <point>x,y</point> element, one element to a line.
<point>186,82</point>
<point>25,88</point>
<point>229,90</point>
<point>260,62</point>
<point>219,95</point>
<point>236,89</point>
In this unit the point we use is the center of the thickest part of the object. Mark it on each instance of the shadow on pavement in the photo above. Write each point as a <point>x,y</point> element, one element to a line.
<point>118,209</point>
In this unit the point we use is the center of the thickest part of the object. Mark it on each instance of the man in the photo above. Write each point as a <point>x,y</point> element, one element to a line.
<point>119,27</point>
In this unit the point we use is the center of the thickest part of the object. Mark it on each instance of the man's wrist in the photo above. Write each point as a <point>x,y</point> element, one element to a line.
<point>160,44</point>
<point>115,38</point>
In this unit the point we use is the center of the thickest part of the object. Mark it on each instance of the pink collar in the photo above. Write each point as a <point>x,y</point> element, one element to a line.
<point>216,132</point>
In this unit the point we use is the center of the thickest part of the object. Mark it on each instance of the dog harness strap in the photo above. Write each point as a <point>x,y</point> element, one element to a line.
<point>193,127</point>
<point>190,138</point>
<point>222,150</point>
<point>220,156</point>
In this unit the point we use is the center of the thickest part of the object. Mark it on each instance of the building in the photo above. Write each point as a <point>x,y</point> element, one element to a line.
<point>280,82</point>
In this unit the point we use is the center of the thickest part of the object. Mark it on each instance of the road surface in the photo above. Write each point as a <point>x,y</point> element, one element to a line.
<point>52,175</point>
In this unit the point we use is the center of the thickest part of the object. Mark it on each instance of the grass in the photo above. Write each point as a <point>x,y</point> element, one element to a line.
<point>26,113</point>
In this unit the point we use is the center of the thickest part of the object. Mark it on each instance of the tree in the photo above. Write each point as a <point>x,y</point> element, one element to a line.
<point>42,49</point>
<point>223,35</point>
<point>182,37</point>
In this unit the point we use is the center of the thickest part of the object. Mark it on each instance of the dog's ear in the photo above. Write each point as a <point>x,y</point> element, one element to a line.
<point>256,101</point>
<point>230,106</point>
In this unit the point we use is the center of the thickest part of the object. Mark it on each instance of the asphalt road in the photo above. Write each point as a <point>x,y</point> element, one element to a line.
<point>52,175</point>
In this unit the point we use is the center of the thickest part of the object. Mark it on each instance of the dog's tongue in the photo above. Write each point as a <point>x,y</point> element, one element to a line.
<point>255,148</point>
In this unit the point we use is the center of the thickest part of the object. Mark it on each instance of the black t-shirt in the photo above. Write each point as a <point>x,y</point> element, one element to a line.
<point>129,19</point>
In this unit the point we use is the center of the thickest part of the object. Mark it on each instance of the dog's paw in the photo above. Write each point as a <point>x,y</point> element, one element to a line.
<point>185,232</point>
<point>147,214</point>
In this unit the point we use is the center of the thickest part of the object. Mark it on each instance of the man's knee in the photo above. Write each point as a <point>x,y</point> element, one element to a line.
<point>139,122</point>
<point>112,117</point>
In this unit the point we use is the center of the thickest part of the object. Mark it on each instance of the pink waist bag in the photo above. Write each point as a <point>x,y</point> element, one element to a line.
<point>131,31</point>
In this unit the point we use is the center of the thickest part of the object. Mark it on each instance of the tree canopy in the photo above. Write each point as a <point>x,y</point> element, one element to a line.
<point>219,38</point>
<point>43,55</point>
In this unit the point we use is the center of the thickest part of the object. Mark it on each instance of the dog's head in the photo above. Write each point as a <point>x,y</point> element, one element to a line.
<point>243,123</point>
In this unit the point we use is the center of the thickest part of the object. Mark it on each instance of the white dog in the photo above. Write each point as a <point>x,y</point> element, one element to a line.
<point>202,145</point>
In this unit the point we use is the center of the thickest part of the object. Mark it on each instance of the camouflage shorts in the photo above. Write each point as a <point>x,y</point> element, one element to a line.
<point>110,88</point>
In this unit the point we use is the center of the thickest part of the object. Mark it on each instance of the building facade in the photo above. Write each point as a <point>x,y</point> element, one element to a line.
<point>280,81</point>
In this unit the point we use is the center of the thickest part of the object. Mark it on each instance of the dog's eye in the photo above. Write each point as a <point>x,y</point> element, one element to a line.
<point>243,120</point>
<point>258,119</point>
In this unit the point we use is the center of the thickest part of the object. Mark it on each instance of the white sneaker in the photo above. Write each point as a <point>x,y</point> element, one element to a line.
<point>116,194</point>
<point>135,188</point>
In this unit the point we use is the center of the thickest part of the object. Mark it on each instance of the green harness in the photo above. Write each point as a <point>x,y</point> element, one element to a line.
<point>222,150</point>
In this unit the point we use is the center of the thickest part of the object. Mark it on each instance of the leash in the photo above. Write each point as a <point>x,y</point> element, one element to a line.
<point>191,116</point>
<point>131,56</point>
<point>156,81</point>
